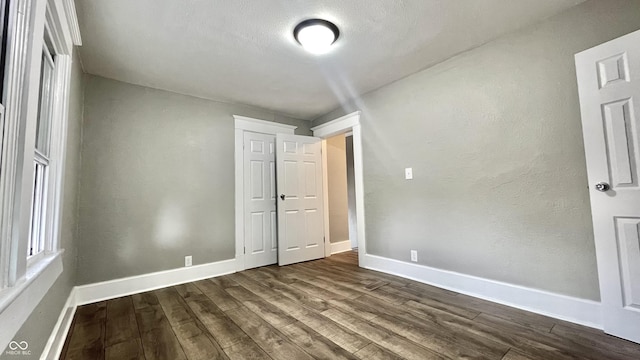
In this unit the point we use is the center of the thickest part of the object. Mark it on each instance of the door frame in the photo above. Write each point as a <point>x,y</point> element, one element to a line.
<point>343,125</point>
<point>244,124</point>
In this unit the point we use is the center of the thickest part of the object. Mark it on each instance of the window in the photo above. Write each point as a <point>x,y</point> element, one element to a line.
<point>38,48</point>
<point>42,157</point>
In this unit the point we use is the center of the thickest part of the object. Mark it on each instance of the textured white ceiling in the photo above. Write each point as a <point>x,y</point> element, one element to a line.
<point>243,51</point>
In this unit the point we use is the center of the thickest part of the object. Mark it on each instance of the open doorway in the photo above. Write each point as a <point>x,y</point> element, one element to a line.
<point>341,209</point>
<point>344,223</point>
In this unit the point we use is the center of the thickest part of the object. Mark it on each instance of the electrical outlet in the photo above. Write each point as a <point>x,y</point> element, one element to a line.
<point>414,255</point>
<point>408,173</point>
<point>188,260</point>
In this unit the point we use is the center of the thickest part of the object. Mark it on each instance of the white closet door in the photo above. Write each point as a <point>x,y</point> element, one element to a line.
<point>261,245</point>
<point>300,200</point>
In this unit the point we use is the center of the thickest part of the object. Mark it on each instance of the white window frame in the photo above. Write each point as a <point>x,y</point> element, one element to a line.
<point>41,201</point>
<point>24,283</point>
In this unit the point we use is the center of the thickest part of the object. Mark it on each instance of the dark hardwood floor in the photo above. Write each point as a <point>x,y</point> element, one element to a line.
<point>325,309</point>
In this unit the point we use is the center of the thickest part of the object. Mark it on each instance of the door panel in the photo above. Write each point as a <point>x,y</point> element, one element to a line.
<point>310,185</point>
<point>314,222</point>
<point>621,142</point>
<point>257,180</point>
<point>272,175</point>
<point>629,254</point>
<point>609,87</point>
<point>274,235</point>
<point>257,232</point>
<point>290,180</point>
<point>291,230</point>
<point>260,205</point>
<point>300,213</point>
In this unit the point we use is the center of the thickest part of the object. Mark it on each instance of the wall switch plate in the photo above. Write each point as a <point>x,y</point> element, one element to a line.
<point>188,260</point>
<point>408,173</point>
<point>414,255</point>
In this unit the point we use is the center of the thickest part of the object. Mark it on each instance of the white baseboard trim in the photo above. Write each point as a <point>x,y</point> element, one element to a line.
<point>341,246</point>
<point>53,348</point>
<point>86,294</point>
<point>576,310</point>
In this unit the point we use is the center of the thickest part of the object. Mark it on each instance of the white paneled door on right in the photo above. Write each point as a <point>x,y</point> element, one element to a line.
<point>609,87</point>
<point>261,244</point>
<point>300,200</point>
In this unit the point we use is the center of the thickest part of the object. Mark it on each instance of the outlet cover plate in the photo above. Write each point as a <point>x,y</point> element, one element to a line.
<point>188,260</point>
<point>414,255</point>
<point>408,173</point>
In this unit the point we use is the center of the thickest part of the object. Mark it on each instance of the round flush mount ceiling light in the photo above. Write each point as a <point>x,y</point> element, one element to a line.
<point>316,35</point>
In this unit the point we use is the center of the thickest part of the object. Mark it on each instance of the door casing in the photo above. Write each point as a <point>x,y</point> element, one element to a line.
<point>344,124</point>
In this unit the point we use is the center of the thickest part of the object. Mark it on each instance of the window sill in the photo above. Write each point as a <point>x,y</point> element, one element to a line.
<point>19,301</point>
<point>36,259</point>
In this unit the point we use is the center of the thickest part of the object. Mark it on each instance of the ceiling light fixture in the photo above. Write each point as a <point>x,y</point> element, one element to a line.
<point>316,35</point>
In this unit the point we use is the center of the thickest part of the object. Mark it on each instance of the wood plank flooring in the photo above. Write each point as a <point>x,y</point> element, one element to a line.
<point>324,309</point>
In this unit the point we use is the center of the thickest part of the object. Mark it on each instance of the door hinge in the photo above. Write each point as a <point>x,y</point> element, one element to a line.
<point>324,239</point>
<point>245,249</point>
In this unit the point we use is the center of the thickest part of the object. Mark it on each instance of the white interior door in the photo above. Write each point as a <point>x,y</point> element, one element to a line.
<point>261,245</point>
<point>609,87</point>
<point>300,201</point>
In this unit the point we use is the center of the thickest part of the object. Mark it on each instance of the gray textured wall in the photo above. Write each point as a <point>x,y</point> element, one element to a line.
<point>38,327</point>
<point>337,185</point>
<point>157,179</point>
<point>494,139</point>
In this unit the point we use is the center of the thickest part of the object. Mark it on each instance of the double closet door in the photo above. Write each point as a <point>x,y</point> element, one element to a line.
<point>283,199</point>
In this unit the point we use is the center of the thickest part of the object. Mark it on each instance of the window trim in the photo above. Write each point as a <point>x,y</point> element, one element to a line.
<point>24,283</point>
